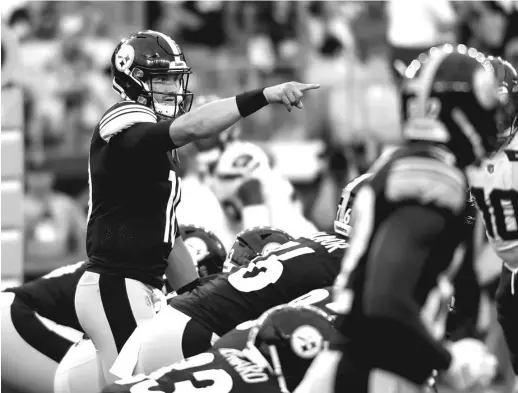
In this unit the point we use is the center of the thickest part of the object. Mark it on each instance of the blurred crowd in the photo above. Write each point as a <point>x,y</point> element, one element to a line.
<point>355,50</point>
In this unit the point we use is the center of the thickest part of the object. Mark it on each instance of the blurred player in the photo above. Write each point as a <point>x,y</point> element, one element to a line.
<point>494,186</point>
<point>251,192</point>
<point>132,234</point>
<point>394,289</point>
<point>280,347</point>
<point>39,326</point>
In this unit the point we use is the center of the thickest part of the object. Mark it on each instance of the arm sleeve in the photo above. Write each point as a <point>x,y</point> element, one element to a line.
<point>399,256</point>
<point>145,136</point>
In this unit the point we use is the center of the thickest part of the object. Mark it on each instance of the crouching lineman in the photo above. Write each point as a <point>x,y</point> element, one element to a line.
<point>39,326</point>
<point>494,185</point>
<point>394,288</point>
<point>194,320</point>
<point>279,350</point>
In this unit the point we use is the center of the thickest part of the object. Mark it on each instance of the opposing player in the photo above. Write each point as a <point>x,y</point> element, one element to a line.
<point>494,185</point>
<point>280,347</point>
<point>394,288</point>
<point>39,326</point>
<point>250,190</point>
<point>132,234</point>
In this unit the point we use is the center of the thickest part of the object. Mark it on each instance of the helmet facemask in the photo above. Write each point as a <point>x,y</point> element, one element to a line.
<point>167,104</point>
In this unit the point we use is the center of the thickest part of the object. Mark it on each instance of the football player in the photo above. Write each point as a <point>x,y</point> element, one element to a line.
<point>394,288</point>
<point>494,185</point>
<point>279,349</point>
<point>194,320</point>
<point>39,326</point>
<point>132,232</point>
<point>251,192</point>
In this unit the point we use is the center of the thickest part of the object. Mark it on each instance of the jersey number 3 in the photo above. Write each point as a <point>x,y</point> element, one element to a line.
<point>498,201</point>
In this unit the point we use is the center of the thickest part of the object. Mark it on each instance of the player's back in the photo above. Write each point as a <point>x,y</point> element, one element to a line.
<point>133,195</point>
<point>413,177</point>
<point>494,185</point>
<point>293,270</point>
<point>52,296</point>
<point>222,370</point>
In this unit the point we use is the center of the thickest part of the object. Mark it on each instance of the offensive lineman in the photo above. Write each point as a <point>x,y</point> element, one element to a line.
<point>280,347</point>
<point>194,320</point>
<point>132,234</point>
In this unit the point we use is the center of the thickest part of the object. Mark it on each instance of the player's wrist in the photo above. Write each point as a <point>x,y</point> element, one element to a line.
<point>251,101</point>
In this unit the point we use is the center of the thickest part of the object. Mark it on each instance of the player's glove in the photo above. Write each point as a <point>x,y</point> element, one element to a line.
<point>472,365</point>
<point>250,192</point>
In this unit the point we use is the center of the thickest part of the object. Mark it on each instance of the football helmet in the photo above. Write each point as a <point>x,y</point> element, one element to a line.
<point>345,206</point>
<point>252,243</point>
<point>289,338</point>
<point>206,249</point>
<point>508,93</point>
<point>238,162</point>
<point>450,98</point>
<point>143,57</point>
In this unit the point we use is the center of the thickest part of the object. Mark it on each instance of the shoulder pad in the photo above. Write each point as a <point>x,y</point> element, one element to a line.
<point>123,115</point>
<point>427,180</point>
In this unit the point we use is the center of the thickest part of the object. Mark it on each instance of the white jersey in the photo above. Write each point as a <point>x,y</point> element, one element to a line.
<point>243,160</point>
<point>199,206</point>
<point>494,185</point>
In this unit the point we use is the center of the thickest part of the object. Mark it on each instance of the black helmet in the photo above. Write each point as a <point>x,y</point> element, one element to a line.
<point>207,250</point>
<point>289,338</point>
<point>450,98</point>
<point>254,242</point>
<point>146,55</point>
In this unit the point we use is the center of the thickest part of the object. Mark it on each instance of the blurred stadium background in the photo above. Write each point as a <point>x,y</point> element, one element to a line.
<point>56,85</point>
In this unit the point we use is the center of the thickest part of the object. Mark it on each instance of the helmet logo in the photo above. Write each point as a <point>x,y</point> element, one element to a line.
<point>306,341</point>
<point>269,248</point>
<point>197,248</point>
<point>124,57</point>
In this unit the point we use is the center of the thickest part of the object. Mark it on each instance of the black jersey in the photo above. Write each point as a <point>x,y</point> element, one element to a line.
<point>394,288</point>
<point>237,338</point>
<point>293,270</point>
<point>134,192</point>
<point>222,370</point>
<point>52,296</point>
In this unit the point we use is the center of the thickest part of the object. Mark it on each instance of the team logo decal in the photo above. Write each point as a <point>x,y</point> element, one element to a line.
<point>197,247</point>
<point>269,248</point>
<point>124,57</point>
<point>306,341</point>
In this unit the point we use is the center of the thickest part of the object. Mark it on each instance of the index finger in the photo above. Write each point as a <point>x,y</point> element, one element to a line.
<point>308,86</point>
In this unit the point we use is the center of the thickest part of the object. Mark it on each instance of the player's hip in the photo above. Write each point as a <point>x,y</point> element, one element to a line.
<point>169,337</point>
<point>31,343</point>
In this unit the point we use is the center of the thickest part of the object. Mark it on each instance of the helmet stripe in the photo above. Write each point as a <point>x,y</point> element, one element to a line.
<point>172,46</point>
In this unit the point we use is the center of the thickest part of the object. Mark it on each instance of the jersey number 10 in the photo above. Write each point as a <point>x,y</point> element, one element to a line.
<point>497,200</point>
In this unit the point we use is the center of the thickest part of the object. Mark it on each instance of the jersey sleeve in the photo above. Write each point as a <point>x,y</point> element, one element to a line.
<point>129,125</point>
<point>395,323</point>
